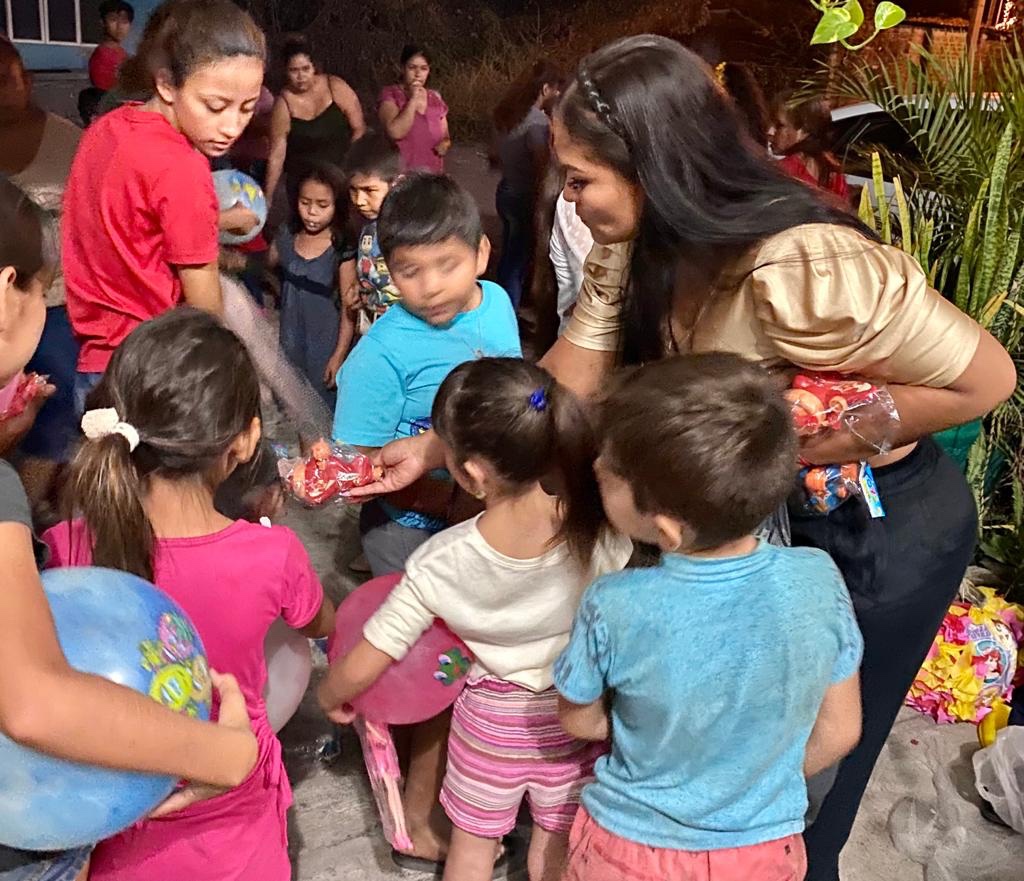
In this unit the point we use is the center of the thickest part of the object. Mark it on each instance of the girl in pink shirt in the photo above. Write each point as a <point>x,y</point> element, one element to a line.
<point>415,117</point>
<point>176,412</point>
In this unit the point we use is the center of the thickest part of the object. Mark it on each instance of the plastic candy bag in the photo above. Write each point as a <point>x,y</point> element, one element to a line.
<point>822,402</point>
<point>15,396</point>
<point>830,401</point>
<point>999,773</point>
<point>328,472</point>
<point>826,487</point>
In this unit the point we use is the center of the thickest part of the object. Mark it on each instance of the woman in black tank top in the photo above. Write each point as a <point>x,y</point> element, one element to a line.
<point>316,118</point>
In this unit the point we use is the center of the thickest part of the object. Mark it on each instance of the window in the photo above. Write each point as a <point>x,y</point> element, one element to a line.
<point>68,22</point>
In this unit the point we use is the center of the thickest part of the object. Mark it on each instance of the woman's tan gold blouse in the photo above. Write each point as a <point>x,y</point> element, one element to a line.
<point>818,296</point>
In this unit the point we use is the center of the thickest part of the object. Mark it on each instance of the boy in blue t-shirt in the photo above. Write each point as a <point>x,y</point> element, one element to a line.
<point>432,239</point>
<point>728,672</point>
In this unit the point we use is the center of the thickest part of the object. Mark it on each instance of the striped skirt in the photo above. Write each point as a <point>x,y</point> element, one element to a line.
<point>506,743</point>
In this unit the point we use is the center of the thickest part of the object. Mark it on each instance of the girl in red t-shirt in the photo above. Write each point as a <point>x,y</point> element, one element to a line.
<point>140,215</point>
<point>800,135</point>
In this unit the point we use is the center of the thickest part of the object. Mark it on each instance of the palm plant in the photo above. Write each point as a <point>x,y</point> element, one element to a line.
<point>962,221</point>
<point>956,114</point>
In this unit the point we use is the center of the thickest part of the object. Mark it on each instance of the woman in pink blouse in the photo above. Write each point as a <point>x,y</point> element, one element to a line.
<point>415,117</point>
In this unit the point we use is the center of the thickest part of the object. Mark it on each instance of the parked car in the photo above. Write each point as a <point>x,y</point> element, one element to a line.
<point>858,128</point>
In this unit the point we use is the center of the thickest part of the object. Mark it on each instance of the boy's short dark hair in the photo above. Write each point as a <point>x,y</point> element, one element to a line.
<point>425,209</point>
<point>706,439</point>
<point>374,155</point>
<point>114,7</point>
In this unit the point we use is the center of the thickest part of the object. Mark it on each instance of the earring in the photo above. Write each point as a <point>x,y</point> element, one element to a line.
<point>480,495</point>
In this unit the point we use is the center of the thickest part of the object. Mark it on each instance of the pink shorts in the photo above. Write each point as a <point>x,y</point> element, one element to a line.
<point>597,855</point>
<point>506,743</point>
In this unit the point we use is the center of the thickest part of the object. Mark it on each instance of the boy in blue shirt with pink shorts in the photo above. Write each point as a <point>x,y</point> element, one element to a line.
<point>728,672</point>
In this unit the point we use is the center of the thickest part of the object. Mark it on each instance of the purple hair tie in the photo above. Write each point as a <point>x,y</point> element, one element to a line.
<point>539,400</point>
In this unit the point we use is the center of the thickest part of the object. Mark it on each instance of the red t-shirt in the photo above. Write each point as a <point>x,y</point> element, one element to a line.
<point>139,201</point>
<point>103,66</point>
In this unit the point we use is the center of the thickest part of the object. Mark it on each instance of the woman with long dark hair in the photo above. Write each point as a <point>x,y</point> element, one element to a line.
<point>801,137</point>
<point>522,136</point>
<point>702,245</point>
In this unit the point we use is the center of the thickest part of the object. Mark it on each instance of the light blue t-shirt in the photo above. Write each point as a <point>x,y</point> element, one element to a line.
<point>390,379</point>
<point>717,669</point>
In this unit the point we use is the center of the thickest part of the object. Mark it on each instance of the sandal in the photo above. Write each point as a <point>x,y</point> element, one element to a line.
<point>511,859</point>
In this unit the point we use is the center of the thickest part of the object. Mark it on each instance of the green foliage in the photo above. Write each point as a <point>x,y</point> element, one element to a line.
<point>841,19</point>
<point>915,233</point>
<point>965,211</point>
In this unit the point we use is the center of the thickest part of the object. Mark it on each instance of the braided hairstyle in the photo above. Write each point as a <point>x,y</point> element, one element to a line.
<point>602,109</point>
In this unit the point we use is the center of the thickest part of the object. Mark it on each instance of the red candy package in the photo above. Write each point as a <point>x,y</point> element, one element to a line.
<point>830,401</point>
<point>15,396</point>
<point>329,471</point>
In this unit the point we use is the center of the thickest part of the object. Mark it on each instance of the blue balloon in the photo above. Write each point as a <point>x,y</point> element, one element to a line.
<point>120,627</point>
<point>235,188</point>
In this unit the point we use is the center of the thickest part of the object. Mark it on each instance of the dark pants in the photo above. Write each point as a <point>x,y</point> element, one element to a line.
<point>902,572</point>
<point>516,213</point>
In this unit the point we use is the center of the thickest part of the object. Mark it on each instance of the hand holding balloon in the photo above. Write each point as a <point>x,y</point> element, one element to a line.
<point>232,714</point>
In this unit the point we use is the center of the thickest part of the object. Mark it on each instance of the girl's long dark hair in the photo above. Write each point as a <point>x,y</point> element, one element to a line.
<point>520,95</point>
<point>652,111</point>
<point>516,417</point>
<point>188,387</point>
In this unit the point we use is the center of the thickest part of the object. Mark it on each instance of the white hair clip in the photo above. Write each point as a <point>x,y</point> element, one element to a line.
<point>98,424</point>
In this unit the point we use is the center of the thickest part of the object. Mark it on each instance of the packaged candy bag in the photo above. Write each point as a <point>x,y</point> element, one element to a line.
<point>823,402</point>
<point>830,401</point>
<point>826,487</point>
<point>328,472</point>
<point>15,396</point>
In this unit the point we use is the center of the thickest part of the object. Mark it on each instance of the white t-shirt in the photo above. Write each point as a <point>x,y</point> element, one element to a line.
<point>568,249</point>
<point>515,615</point>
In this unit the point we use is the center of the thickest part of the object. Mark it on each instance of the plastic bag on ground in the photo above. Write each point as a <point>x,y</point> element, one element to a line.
<point>1000,776</point>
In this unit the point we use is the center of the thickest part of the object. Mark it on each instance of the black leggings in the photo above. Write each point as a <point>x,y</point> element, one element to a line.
<point>902,572</point>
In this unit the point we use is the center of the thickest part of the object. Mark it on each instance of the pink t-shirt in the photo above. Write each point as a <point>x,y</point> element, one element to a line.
<point>417,147</point>
<point>233,584</point>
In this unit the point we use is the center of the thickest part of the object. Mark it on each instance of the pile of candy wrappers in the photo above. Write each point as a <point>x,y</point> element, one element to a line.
<point>822,402</point>
<point>972,662</point>
<point>330,471</point>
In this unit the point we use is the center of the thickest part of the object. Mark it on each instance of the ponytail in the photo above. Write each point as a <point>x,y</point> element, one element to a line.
<point>183,388</point>
<point>516,417</point>
<point>574,452</point>
<point>107,494</point>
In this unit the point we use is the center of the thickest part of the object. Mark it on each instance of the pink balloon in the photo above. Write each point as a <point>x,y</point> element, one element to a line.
<point>421,685</point>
